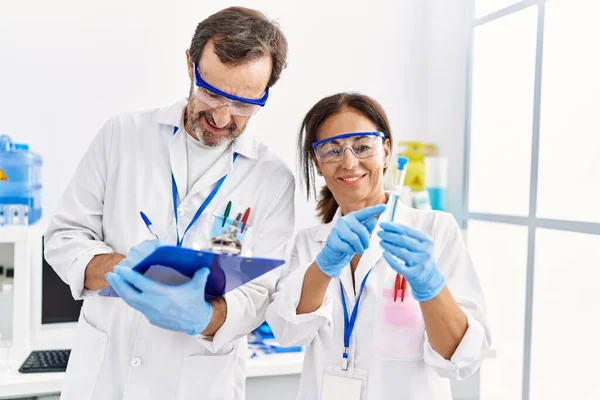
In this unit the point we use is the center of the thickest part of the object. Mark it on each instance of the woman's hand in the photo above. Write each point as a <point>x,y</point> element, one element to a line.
<point>349,236</point>
<point>416,250</point>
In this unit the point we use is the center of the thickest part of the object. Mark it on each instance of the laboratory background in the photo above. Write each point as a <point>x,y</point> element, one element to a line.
<point>494,102</point>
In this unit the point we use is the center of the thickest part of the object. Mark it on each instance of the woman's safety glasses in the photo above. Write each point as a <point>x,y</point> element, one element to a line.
<point>215,98</point>
<point>361,144</point>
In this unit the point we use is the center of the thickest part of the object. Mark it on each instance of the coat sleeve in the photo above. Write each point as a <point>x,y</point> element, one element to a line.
<point>74,234</point>
<point>246,306</point>
<point>462,281</point>
<point>289,328</point>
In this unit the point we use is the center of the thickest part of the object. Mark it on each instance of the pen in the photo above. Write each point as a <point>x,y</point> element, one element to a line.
<point>148,224</point>
<point>237,220</point>
<point>403,289</point>
<point>397,285</point>
<point>245,219</point>
<point>227,211</point>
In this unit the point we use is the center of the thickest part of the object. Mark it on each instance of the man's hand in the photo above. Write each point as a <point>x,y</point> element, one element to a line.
<point>97,268</point>
<point>103,263</point>
<point>174,307</point>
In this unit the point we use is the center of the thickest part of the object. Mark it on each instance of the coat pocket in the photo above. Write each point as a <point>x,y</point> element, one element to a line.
<point>209,377</point>
<point>85,362</point>
<point>399,328</point>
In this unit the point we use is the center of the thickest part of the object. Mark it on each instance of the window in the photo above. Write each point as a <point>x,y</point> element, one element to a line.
<point>532,193</point>
<point>499,252</point>
<point>485,7</point>
<point>501,114</point>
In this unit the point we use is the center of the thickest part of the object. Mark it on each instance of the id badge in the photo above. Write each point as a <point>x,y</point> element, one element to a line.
<point>338,384</point>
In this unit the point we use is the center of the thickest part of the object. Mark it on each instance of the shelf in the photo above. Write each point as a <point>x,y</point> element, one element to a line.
<point>12,234</point>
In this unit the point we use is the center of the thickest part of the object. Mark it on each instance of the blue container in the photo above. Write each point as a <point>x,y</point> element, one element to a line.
<point>20,178</point>
<point>437,198</point>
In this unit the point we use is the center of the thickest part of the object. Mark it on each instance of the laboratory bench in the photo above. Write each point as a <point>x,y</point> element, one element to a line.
<point>269,376</point>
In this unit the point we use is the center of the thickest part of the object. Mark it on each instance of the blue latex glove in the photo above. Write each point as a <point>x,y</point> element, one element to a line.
<point>349,236</point>
<point>173,307</point>
<point>136,254</point>
<point>140,251</point>
<point>416,250</point>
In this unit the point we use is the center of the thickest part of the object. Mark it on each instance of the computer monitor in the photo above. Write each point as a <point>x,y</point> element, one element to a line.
<point>58,305</point>
<point>54,312</point>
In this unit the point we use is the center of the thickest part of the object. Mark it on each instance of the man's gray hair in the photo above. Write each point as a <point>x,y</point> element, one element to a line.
<point>242,35</point>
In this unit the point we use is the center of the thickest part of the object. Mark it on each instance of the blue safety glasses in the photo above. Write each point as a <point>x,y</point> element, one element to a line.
<point>215,98</point>
<point>361,144</point>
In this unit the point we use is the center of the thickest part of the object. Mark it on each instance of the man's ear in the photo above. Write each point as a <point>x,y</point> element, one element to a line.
<point>190,64</point>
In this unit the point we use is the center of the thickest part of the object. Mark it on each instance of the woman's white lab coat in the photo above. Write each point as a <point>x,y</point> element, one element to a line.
<point>389,341</point>
<point>118,353</point>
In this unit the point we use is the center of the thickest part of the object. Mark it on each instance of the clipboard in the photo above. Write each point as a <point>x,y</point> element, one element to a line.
<point>176,265</point>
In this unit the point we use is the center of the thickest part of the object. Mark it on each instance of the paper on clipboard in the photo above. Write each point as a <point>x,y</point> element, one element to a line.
<point>175,265</point>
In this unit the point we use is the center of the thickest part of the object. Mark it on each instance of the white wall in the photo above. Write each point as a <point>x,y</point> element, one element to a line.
<point>445,87</point>
<point>66,66</point>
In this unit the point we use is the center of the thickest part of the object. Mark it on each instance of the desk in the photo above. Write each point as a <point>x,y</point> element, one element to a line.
<point>269,377</point>
<point>283,369</point>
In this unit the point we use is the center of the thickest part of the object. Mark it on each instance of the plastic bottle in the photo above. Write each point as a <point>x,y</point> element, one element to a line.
<point>436,181</point>
<point>416,152</point>
<point>415,174</point>
<point>20,182</point>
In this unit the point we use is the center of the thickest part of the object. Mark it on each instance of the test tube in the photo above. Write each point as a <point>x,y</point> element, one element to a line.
<point>399,176</point>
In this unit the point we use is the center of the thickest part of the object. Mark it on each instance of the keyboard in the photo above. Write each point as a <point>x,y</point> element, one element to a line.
<point>46,361</point>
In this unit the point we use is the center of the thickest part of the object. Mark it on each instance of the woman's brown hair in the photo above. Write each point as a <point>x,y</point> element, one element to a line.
<point>325,108</point>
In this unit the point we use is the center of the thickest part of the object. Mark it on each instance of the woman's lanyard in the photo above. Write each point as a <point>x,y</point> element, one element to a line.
<point>203,206</point>
<point>349,322</point>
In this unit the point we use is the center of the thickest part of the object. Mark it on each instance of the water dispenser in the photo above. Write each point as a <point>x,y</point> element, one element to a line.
<point>20,184</point>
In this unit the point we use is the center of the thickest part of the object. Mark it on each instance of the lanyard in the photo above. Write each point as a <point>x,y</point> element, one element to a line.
<point>203,206</point>
<point>349,322</point>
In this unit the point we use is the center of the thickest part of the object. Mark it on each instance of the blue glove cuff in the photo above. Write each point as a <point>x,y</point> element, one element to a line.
<point>201,326</point>
<point>435,284</point>
<point>326,267</point>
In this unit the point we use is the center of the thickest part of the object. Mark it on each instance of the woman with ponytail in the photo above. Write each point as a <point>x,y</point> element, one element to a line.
<point>341,299</point>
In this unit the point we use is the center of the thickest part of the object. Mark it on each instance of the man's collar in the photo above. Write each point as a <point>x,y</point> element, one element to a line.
<point>245,144</point>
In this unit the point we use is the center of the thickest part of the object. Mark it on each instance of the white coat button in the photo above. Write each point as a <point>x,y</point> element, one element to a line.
<point>136,362</point>
<point>180,212</point>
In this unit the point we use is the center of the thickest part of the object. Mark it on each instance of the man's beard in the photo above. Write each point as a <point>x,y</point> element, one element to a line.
<point>207,137</point>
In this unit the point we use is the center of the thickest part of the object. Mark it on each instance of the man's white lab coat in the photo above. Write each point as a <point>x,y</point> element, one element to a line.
<point>118,353</point>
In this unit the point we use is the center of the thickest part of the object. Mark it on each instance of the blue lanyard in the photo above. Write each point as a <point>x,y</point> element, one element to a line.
<point>202,206</point>
<point>349,322</point>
